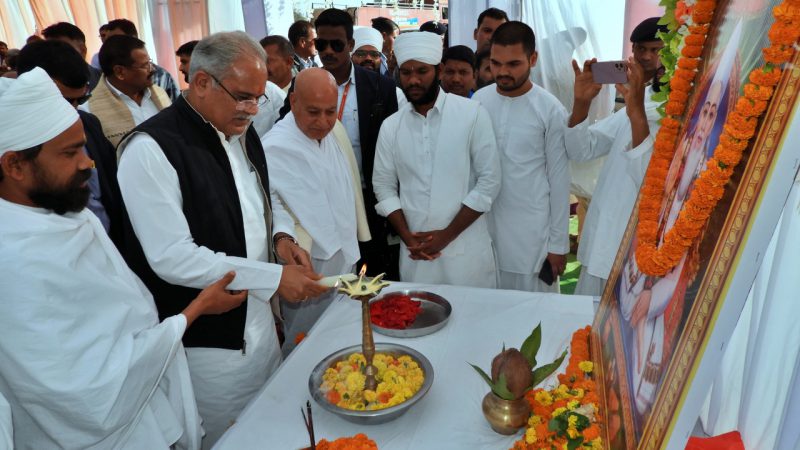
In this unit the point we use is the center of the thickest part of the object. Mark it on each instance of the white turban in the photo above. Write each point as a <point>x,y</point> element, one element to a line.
<point>420,46</point>
<point>33,111</point>
<point>367,36</point>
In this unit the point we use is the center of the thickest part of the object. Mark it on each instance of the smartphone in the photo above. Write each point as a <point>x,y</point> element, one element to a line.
<point>609,72</point>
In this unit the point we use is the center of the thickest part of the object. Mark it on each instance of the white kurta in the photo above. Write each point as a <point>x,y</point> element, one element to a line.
<point>224,380</point>
<point>429,166</point>
<point>84,361</point>
<point>269,112</point>
<point>530,217</point>
<point>618,184</point>
<point>313,178</point>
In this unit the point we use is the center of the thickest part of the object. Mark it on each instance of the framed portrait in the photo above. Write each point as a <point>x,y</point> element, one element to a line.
<point>656,339</point>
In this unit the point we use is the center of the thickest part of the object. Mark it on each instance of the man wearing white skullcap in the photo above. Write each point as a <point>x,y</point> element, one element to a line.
<point>436,173</point>
<point>84,360</point>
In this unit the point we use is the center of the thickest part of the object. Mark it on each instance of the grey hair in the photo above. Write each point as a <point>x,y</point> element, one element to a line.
<point>216,53</point>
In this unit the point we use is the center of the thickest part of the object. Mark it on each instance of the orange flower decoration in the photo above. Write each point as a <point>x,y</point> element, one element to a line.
<point>357,442</point>
<point>740,126</point>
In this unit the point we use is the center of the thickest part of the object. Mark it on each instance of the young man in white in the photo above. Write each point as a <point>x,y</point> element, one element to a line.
<point>436,174</point>
<point>530,218</point>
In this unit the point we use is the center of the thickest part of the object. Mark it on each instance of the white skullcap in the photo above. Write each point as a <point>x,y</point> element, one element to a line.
<point>367,36</point>
<point>420,46</point>
<point>33,111</point>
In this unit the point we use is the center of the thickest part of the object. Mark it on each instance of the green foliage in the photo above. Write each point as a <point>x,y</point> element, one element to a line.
<point>541,373</point>
<point>531,345</point>
<point>500,388</point>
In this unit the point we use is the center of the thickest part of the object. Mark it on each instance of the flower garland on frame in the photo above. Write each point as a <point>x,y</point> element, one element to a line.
<point>740,126</point>
<point>566,416</point>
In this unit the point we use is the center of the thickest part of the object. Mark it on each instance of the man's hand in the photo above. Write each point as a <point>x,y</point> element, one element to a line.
<point>291,253</point>
<point>299,283</point>
<point>214,300</point>
<point>558,263</point>
<point>585,91</point>
<point>634,102</point>
<point>431,243</point>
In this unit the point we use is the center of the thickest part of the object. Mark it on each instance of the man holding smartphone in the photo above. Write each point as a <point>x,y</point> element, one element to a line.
<point>626,137</point>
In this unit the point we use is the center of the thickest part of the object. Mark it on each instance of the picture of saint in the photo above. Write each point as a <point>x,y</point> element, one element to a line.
<point>653,309</point>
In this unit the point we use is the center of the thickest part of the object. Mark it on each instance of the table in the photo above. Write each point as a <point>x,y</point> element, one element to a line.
<point>449,416</point>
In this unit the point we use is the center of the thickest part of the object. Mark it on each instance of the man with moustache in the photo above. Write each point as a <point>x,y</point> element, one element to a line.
<point>280,65</point>
<point>326,201</point>
<point>436,173</point>
<point>488,21</point>
<point>195,184</point>
<point>530,218</point>
<point>367,41</point>
<point>125,96</point>
<point>302,35</point>
<point>366,98</point>
<point>85,361</point>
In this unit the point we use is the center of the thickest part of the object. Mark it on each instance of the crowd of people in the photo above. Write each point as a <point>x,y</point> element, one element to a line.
<point>162,250</point>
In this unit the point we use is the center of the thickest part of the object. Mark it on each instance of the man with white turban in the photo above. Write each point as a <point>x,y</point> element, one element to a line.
<point>436,173</point>
<point>365,50</point>
<point>84,360</point>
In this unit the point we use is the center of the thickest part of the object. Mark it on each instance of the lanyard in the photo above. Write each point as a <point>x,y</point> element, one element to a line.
<point>344,99</point>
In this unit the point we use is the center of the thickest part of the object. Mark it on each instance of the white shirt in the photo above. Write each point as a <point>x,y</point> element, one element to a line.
<point>313,179</point>
<point>84,361</point>
<point>269,113</point>
<point>429,166</point>
<point>530,217</point>
<point>618,183</point>
<point>350,116</point>
<point>139,112</point>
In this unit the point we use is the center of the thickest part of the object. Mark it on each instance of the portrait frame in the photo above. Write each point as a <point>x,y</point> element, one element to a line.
<point>743,224</point>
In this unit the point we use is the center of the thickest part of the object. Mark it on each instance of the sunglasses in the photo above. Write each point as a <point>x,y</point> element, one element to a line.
<point>336,45</point>
<point>364,53</point>
<point>74,101</point>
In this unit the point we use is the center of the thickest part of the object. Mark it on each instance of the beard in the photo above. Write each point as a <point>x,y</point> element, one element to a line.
<point>518,82</point>
<point>428,97</point>
<point>61,199</point>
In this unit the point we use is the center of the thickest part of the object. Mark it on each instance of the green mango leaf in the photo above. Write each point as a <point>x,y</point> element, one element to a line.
<point>572,444</point>
<point>583,421</point>
<point>545,371</point>
<point>531,345</point>
<point>485,377</point>
<point>554,425</point>
<point>501,388</point>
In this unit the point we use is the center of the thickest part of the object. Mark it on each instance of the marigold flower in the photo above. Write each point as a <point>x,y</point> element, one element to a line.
<point>783,33</point>
<point>702,17</point>
<point>778,54</point>
<point>694,39</point>
<point>679,84</point>
<point>688,63</point>
<point>687,75</point>
<point>756,92</point>
<point>699,28</point>
<point>749,107</point>
<point>692,51</point>
<point>764,77</point>
<point>586,366</point>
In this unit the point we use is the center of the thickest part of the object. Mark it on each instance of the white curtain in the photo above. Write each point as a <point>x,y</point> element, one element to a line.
<point>279,16</point>
<point>756,390</point>
<point>225,16</point>
<point>17,22</point>
<point>463,17</point>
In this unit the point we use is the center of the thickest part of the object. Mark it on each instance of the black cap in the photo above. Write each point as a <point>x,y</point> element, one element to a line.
<point>432,26</point>
<point>646,31</point>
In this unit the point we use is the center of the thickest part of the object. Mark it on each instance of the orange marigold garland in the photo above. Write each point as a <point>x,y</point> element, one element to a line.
<point>357,442</point>
<point>569,413</point>
<point>740,126</point>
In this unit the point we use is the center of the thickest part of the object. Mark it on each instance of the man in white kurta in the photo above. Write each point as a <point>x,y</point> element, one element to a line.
<point>436,174</point>
<point>268,114</point>
<point>84,361</point>
<point>315,174</point>
<point>621,175</point>
<point>224,379</point>
<point>530,218</point>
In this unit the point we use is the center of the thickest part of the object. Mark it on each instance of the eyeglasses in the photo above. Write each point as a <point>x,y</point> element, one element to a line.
<point>242,103</point>
<point>336,44</point>
<point>75,101</point>
<point>364,53</point>
<point>146,66</point>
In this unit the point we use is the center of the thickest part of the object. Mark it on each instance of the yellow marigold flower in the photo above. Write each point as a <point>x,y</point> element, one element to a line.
<point>558,411</point>
<point>578,393</point>
<point>572,421</point>
<point>597,444</point>
<point>534,420</point>
<point>572,432</point>
<point>530,436</point>
<point>572,404</point>
<point>586,366</point>
<point>370,395</point>
<point>544,398</point>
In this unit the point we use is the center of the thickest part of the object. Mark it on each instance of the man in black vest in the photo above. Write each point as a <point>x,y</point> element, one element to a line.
<point>365,100</point>
<point>68,70</point>
<point>194,181</point>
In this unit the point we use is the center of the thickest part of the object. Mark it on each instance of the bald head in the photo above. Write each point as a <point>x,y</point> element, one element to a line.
<point>314,102</point>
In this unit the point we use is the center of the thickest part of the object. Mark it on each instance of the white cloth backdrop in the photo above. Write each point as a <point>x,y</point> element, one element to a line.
<point>756,384</point>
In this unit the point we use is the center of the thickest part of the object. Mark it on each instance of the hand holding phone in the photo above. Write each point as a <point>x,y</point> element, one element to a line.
<point>610,72</point>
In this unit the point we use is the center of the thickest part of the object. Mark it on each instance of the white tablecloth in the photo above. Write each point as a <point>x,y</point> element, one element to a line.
<point>449,417</point>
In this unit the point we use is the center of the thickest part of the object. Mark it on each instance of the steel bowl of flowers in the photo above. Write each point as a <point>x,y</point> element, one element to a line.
<point>404,377</point>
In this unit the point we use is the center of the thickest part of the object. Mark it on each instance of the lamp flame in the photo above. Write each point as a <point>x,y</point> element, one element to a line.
<point>363,270</point>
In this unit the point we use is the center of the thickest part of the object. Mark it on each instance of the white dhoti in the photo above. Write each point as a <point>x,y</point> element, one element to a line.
<point>526,282</point>
<point>589,284</point>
